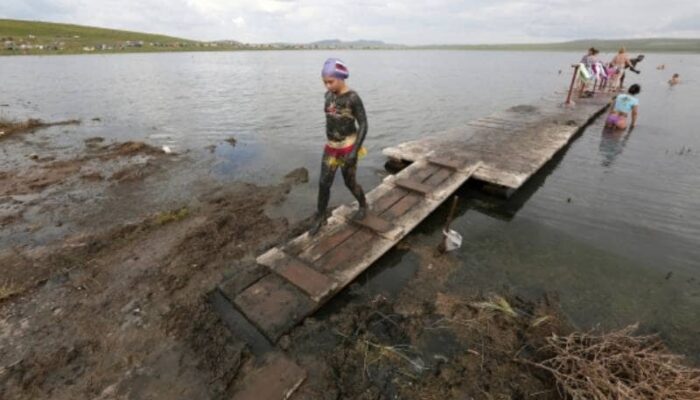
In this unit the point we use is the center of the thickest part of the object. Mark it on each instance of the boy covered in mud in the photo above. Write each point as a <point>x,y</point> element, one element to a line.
<point>346,129</point>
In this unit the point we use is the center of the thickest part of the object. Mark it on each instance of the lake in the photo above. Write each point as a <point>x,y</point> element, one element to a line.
<point>612,224</point>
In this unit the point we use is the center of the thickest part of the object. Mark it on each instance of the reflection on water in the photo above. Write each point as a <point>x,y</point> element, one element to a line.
<point>612,223</point>
<point>612,142</point>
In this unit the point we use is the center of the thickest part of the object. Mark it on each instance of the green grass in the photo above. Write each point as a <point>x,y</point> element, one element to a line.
<point>75,37</point>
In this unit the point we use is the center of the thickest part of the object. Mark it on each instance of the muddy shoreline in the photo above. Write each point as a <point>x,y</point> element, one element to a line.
<point>117,307</point>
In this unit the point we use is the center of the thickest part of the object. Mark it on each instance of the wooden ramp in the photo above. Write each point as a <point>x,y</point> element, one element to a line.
<point>513,144</point>
<point>301,275</point>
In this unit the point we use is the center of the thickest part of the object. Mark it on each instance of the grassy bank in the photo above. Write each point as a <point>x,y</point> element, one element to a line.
<point>33,37</point>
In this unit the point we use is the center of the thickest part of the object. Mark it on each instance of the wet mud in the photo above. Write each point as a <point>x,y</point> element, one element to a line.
<point>122,310</point>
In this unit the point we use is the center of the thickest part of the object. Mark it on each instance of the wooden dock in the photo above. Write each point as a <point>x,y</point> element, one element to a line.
<point>512,145</point>
<point>292,281</point>
<point>299,276</point>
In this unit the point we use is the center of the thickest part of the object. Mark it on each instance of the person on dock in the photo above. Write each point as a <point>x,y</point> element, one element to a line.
<point>622,106</point>
<point>592,67</point>
<point>590,59</point>
<point>675,79</point>
<point>619,63</point>
<point>346,129</point>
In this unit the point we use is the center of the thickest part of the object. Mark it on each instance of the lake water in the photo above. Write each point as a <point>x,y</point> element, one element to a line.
<point>612,224</point>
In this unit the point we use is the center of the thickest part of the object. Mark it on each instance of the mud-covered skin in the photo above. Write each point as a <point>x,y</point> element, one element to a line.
<point>349,171</point>
<point>345,116</point>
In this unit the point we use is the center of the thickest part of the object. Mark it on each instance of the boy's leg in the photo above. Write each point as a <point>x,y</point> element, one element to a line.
<point>325,182</point>
<point>350,178</point>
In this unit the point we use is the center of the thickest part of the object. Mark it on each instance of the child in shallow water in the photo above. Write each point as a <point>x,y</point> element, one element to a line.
<point>346,128</point>
<point>622,106</point>
<point>675,79</point>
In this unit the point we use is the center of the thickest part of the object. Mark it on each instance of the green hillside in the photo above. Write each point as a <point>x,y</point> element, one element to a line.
<point>33,37</point>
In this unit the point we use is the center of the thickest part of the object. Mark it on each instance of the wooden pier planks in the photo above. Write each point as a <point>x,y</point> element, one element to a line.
<point>505,148</point>
<point>308,270</point>
<point>513,144</point>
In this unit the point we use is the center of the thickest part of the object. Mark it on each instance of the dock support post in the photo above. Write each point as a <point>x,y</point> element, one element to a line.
<point>571,87</point>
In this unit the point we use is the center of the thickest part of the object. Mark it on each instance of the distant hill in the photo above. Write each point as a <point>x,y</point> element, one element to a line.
<point>34,37</point>
<point>337,43</point>
<point>633,45</point>
<point>334,44</point>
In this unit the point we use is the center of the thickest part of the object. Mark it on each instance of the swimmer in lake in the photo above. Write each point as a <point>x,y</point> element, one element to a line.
<point>346,129</point>
<point>622,106</point>
<point>675,79</point>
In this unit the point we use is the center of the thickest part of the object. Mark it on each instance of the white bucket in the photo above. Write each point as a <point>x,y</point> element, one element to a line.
<point>453,240</point>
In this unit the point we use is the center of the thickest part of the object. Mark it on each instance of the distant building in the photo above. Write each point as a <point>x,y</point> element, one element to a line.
<point>134,43</point>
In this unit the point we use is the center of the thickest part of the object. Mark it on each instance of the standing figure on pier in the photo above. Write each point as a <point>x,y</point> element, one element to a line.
<point>346,129</point>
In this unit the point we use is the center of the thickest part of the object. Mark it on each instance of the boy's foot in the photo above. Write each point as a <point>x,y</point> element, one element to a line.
<point>360,214</point>
<point>318,224</point>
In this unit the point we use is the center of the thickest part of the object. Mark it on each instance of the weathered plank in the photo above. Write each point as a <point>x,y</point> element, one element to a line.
<point>446,163</point>
<point>327,243</point>
<point>243,276</point>
<point>374,223</point>
<point>301,275</point>
<point>414,186</point>
<point>274,305</point>
<point>358,243</point>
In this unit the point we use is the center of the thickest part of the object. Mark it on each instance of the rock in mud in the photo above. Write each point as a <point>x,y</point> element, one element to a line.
<point>297,176</point>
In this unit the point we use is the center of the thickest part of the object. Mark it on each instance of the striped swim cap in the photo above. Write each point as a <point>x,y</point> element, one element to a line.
<point>335,68</point>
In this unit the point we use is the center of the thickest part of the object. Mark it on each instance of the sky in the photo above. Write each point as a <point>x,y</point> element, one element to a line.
<point>401,22</point>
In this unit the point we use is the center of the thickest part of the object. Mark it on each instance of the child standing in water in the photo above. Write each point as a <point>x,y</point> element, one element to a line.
<point>346,129</point>
<point>622,106</point>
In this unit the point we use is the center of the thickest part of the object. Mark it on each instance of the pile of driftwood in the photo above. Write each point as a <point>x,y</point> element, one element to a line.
<point>618,365</point>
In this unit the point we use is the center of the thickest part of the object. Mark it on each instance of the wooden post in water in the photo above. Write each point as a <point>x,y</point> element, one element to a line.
<point>571,87</point>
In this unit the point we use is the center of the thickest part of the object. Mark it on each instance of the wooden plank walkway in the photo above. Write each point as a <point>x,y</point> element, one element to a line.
<point>306,272</point>
<point>513,144</point>
<point>291,281</point>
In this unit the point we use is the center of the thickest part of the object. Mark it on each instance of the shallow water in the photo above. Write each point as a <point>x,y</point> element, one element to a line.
<point>612,224</point>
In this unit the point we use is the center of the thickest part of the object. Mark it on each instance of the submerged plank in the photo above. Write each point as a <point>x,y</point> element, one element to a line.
<point>274,305</point>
